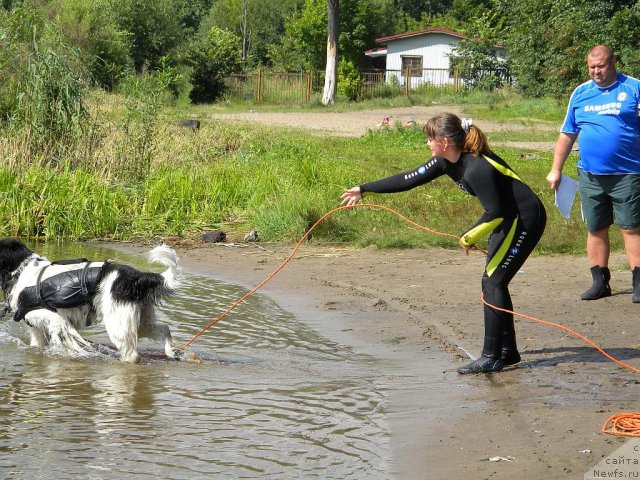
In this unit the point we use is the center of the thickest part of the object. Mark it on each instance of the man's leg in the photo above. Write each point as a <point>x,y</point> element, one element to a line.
<point>598,248</point>
<point>632,246</point>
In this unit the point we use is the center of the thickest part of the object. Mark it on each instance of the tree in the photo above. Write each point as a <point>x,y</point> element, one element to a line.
<point>407,12</point>
<point>548,40</point>
<point>91,26</point>
<point>331,72</point>
<point>623,34</point>
<point>192,13</point>
<point>304,44</point>
<point>475,58</point>
<point>214,56</point>
<point>259,24</point>
<point>154,28</point>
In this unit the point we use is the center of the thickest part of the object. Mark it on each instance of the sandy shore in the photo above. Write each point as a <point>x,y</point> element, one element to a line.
<point>418,313</point>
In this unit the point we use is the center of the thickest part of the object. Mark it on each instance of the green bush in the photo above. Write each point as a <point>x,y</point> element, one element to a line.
<point>349,80</point>
<point>216,55</point>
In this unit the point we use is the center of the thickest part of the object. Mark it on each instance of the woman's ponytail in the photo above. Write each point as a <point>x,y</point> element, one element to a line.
<point>462,132</point>
<point>476,142</point>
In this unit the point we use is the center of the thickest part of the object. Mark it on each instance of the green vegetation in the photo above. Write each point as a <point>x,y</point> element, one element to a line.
<point>92,92</point>
<point>142,176</point>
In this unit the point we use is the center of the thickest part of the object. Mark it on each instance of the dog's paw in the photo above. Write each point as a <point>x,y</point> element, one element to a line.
<point>185,356</point>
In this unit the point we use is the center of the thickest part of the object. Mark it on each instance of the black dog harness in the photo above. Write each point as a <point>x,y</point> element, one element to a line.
<point>68,289</point>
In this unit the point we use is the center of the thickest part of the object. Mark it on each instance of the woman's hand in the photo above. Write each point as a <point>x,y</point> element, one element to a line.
<point>351,196</point>
<point>465,246</point>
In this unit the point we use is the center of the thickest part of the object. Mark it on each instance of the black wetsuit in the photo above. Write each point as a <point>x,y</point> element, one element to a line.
<point>514,217</point>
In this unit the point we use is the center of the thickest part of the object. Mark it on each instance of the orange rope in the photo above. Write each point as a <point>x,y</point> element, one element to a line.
<point>626,424</point>
<point>295,249</point>
<point>568,330</point>
<point>623,424</point>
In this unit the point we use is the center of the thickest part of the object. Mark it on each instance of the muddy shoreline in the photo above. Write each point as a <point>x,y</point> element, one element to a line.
<point>418,313</point>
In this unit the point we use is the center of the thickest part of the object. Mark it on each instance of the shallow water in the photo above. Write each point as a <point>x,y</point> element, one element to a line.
<point>272,399</point>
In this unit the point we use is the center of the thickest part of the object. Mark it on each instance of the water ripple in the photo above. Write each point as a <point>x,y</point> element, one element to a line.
<point>273,399</point>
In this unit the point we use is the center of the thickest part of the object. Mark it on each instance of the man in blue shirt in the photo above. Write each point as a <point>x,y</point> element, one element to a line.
<point>603,116</point>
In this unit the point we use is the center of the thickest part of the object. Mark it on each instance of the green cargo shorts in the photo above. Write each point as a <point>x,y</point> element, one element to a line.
<point>608,197</point>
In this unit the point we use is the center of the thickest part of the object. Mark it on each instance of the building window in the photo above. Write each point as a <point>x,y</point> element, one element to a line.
<point>412,66</point>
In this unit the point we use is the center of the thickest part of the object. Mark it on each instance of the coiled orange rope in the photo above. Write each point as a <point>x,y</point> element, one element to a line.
<point>625,424</point>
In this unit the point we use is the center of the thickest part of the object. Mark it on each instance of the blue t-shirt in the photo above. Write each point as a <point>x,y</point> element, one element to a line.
<point>608,126</point>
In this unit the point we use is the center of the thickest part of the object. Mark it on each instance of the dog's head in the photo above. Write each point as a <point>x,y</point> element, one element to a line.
<point>12,253</point>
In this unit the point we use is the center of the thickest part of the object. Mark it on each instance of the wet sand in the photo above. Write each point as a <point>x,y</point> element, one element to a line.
<point>418,313</point>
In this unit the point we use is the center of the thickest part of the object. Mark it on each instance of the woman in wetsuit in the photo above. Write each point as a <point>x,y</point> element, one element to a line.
<point>514,218</point>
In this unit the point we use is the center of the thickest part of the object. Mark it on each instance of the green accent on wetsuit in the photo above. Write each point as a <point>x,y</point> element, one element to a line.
<point>502,169</point>
<point>479,231</point>
<point>502,251</point>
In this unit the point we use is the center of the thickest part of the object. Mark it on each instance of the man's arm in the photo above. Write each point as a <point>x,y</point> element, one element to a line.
<point>563,149</point>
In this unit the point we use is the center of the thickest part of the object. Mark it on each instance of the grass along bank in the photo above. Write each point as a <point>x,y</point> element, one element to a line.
<point>153,181</point>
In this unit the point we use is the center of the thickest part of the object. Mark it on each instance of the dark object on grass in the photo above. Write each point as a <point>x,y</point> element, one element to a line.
<point>214,236</point>
<point>192,124</point>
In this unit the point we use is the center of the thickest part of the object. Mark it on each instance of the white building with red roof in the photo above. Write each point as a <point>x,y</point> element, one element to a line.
<point>421,56</point>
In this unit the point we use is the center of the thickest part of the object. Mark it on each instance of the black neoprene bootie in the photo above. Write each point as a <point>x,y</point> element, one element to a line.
<point>509,354</point>
<point>636,285</point>
<point>482,365</point>
<point>600,287</point>
<point>510,357</point>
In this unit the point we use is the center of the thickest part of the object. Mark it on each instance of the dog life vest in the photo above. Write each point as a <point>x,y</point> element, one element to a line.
<point>68,289</point>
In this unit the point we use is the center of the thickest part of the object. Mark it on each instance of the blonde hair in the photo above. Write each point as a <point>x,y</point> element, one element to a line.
<point>450,126</point>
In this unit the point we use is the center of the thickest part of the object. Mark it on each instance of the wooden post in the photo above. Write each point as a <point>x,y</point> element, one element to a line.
<point>308,87</point>
<point>407,81</point>
<point>260,86</point>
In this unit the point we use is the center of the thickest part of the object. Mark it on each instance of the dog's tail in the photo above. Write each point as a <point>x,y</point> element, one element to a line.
<point>168,257</point>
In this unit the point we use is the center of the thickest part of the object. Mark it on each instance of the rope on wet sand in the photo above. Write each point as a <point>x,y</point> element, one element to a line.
<point>624,424</point>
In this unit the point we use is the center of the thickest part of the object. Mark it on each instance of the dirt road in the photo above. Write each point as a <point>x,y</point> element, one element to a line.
<point>357,123</point>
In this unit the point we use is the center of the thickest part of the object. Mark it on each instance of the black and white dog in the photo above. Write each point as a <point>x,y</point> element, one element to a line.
<point>57,300</point>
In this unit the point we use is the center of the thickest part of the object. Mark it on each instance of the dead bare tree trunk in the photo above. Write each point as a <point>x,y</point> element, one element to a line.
<point>331,71</point>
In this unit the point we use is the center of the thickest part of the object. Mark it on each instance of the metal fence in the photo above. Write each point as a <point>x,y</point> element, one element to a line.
<point>272,87</point>
<point>386,83</point>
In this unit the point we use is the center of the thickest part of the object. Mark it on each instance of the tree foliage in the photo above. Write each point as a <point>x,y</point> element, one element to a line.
<point>304,44</point>
<point>264,22</point>
<point>476,58</point>
<point>154,28</point>
<point>92,27</point>
<point>192,13</point>
<point>214,56</point>
<point>546,40</point>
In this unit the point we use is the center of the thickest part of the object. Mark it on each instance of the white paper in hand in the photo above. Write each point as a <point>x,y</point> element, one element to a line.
<point>566,194</point>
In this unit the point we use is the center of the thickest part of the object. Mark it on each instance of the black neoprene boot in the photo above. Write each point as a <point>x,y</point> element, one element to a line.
<point>600,287</point>
<point>482,365</point>
<point>510,354</point>
<point>490,359</point>
<point>636,285</point>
